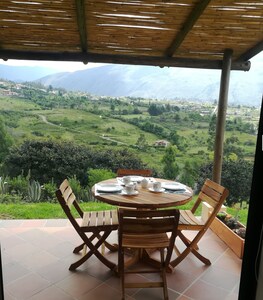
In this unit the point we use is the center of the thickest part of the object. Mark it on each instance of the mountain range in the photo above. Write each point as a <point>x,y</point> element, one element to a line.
<point>149,82</point>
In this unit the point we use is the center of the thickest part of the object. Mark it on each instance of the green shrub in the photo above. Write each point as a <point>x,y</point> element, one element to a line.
<point>18,185</point>
<point>10,198</point>
<point>49,192</point>
<point>82,194</point>
<point>97,175</point>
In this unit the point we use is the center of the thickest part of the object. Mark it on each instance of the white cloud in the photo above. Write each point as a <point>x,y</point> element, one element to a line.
<point>59,66</point>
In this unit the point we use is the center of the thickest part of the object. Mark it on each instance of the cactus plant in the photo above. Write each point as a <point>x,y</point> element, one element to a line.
<point>3,185</point>
<point>34,191</point>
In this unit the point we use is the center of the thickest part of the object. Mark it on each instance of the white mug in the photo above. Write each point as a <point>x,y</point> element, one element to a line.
<point>129,188</point>
<point>126,179</point>
<point>157,185</point>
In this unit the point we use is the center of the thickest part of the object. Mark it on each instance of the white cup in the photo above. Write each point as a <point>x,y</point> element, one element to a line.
<point>130,188</point>
<point>157,186</point>
<point>126,179</point>
<point>144,183</point>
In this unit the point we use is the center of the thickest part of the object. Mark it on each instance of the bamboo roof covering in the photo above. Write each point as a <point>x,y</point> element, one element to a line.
<point>184,33</point>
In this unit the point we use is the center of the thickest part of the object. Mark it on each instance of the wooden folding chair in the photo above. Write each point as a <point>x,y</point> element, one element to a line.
<point>137,172</point>
<point>146,229</point>
<point>99,223</point>
<point>212,193</point>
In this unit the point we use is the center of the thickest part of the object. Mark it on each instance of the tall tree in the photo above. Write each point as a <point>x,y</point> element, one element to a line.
<point>5,141</point>
<point>171,168</point>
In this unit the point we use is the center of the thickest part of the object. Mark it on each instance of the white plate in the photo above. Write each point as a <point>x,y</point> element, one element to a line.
<point>174,186</point>
<point>157,191</point>
<point>136,178</point>
<point>130,194</point>
<point>109,188</point>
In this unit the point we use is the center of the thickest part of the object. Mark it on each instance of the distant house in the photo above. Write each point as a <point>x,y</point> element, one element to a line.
<point>161,143</point>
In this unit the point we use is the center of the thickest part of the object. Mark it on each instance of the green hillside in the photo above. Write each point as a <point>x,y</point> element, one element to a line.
<point>32,112</point>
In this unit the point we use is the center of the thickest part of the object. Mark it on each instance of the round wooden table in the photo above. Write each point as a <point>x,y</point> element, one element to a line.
<point>145,198</point>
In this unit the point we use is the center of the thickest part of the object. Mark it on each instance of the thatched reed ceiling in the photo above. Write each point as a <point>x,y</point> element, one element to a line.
<point>187,33</point>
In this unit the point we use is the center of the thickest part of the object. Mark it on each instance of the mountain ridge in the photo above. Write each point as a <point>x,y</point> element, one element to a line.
<point>148,82</point>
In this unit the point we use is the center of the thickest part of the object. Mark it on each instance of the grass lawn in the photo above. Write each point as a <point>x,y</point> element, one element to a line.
<point>54,210</point>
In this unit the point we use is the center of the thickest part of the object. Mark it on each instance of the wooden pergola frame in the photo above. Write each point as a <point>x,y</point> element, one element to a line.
<point>203,34</point>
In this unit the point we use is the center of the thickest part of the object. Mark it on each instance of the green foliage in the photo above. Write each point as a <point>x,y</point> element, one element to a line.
<point>97,175</point>
<point>34,191</point>
<point>49,192</point>
<point>49,160</point>
<point>171,168</point>
<point>189,174</point>
<point>6,141</point>
<point>18,185</point>
<point>141,142</point>
<point>82,193</point>
<point>236,177</point>
<point>9,198</point>
<point>211,133</point>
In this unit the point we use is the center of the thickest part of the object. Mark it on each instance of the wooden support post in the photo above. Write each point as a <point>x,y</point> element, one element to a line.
<point>221,116</point>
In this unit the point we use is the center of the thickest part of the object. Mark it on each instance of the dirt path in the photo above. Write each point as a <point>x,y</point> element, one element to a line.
<point>44,119</point>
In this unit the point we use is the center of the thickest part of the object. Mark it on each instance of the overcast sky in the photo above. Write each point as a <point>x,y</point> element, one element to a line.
<point>74,66</point>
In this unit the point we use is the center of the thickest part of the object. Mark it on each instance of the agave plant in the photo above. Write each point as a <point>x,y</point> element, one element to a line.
<point>34,191</point>
<point>3,185</point>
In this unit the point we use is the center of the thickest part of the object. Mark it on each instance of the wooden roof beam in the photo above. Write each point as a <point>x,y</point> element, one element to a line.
<point>122,59</point>
<point>81,19</point>
<point>251,52</point>
<point>188,25</point>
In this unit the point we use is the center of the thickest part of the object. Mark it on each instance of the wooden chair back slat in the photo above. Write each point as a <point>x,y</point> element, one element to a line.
<point>138,172</point>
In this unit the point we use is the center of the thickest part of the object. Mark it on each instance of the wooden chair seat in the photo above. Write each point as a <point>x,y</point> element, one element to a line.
<point>98,220</point>
<point>99,223</point>
<point>215,195</point>
<point>188,221</point>
<point>146,241</point>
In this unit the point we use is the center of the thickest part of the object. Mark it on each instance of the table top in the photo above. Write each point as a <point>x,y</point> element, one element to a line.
<point>146,197</point>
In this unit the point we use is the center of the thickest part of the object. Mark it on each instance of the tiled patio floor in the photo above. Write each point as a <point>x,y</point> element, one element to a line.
<point>36,255</point>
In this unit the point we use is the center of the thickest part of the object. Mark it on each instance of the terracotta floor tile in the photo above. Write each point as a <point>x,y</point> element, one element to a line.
<point>27,286</point>
<point>179,280</point>
<point>36,261</point>
<point>54,272</point>
<point>78,284</point>
<point>51,293</point>
<point>154,294</point>
<point>229,263</point>
<point>201,290</point>
<point>22,251</point>
<point>34,223</point>
<point>102,292</point>
<point>39,260</point>
<point>12,271</point>
<point>62,249</point>
<point>221,278</point>
<point>56,223</point>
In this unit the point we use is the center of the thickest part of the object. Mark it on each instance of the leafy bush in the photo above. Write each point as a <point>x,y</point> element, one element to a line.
<point>10,198</point>
<point>49,160</point>
<point>236,177</point>
<point>49,192</point>
<point>97,175</point>
<point>18,185</point>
